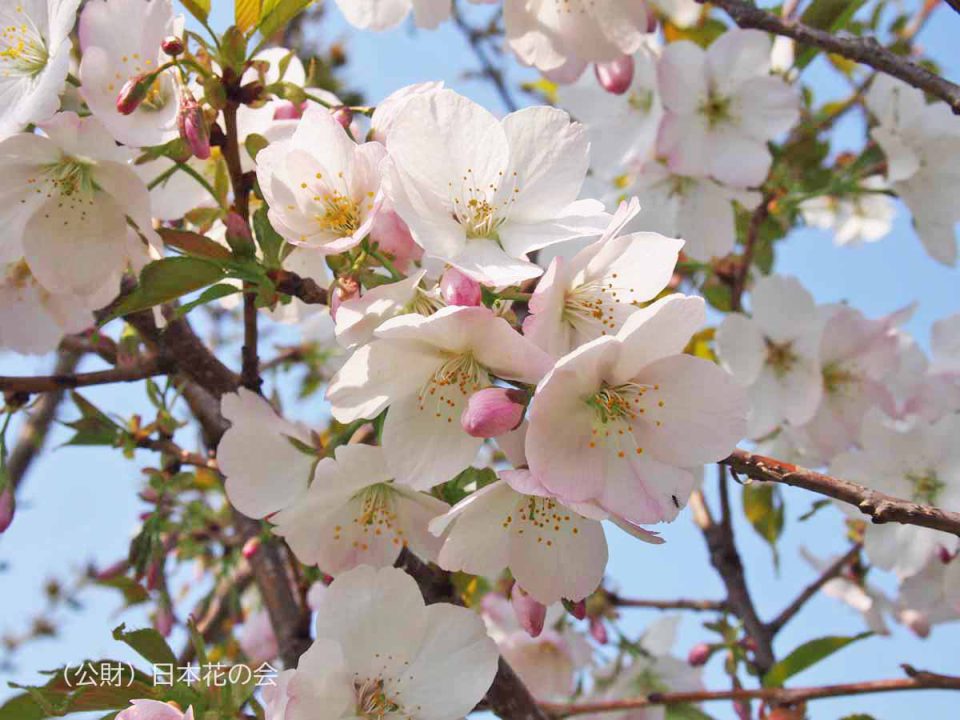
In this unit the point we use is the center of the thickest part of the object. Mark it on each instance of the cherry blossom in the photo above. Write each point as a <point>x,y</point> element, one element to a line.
<point>621,420</point>
<point>323,189</point>
<point>154,710</point>
<point>266,471</point>
<point>110,59</point>
<point>353,514</point>
<point>697,209</point>
<point>722,106</point>
<point>775,354</point>
<point>870,601</point>
<point>386,14</point>
<point>380,650</point>
<point>593,294</point>
<point>424,369</point>
<point>358,318</point>
<point>921,463</point>
<point>931,596</point>
<point>34,60</point>
<point>481,193</point>
<point>863,217</point>
<point>257,639</point>
<point>550,35</point>
<point>72,194</point>
<point>682,13</point>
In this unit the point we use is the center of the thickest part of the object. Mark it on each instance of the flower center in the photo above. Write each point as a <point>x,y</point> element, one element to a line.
<point>716,109</point>
<point>423,303</point>
<point>18,274</point>
<point>926,487</point>
<point>593,303</point>
<point>542,516</point>
<point>375,518</point>
<point>641,101</point>
<point>22,49</point>
<point>780,357</point>
<point>616,408</point>
<point>453,382</point>
<point>836,378</point>
<point>71,177</point>
<point>341,215</point>
<point>158,96</point>
<point>372,700</point>
<point>476,209</point>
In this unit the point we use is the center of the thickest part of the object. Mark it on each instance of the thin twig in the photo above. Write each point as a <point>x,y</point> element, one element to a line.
<point>678,604</point>
<point>864,50</point>
<point>492,72</point>
<point>62,381</point>
<point>881,508</point>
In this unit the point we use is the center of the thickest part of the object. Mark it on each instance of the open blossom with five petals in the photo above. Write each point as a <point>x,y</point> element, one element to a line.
<point>380,652</point>
<point>323,188</point>
<point>481,193</point>
<point>111,58</point>
<point>697,209</point>
<point>354,514</point>
<point>258,454</point>
<point>551,34</point>
<point>424,369</point>
<point>920,142</point>
<point>621,420</point>
<point>594,293</point>
<point>71,196</point>
<point>775,354</point>
<point>861,217</point>
<point>359,317</point>
<point>920,463</point>
<point>34,59</point>
<point>722,106</point>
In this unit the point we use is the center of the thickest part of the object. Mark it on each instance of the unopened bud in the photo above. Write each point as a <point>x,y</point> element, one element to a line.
<point>945,555</point>
<point>172,45</point>
<point>288,111</point>
<point>133,93</point>
<point>250,547</point>
<point>492,411</point>
<point>393,237</point>
<point>193,126</point>
<point>699,654</point>
<point>459,289</point>
<point>598,630</point>
<point>578,609</point>
<point>7,507</point>
<point>149,495</point>
<point>615,76</point>
<point>530,613</point>
<point>343,115</point>
<point>112,571</point>
<point>238,235</point>
<point>163,620</point>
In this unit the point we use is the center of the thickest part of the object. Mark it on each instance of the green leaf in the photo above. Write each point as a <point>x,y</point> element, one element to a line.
<point>200,9</point>
<point>455,490</point>
<point>817,504</point>
<point>763,506</point>
<point>718,294</point>
<point>246,13</point>
<point>94,427</point>
<point>214,292</point>
<point>269,240</point>
<point>133,592</point>
<point>194,244</point>
<point>148,643</point>
<point>807,655</point>
<point>277,13</point>
<point>165,280</point>
<point>829,15</point>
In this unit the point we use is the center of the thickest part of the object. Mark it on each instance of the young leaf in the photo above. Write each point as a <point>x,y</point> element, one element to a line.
<point>763,507</point>
<point>214,292</point>
<point>94,426</point>
<point>278,13</point>
<point>194,244</point>
<point>807,655</point>
<point>165,280</point>
<point>200,9</point>
<point>246,13</point>
<point>148,643</point>
<point>269,240</point>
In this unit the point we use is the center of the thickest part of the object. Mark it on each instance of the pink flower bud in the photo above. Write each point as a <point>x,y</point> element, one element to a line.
<point>172,45</point>
<point>459,289</point>
<point>288,111</point>
<point>615,76</point>
<point>132,93</point>
<point>598,630</point>
<point>193,126</point>
<point>250,547</point>
<point>343,115</point>
<point>393,237</point>
<point>7,507</point>
<point>945,555</point>
<point>238,235</point>
<point>492,411</point>
<point>112,571</point>
<point>578,609</point>
<point>163,620</point>
<point>530,614</point>
<point>699,654</point>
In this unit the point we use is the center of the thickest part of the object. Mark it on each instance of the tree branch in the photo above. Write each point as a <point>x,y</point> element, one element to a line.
<point>678,604</point>
<point>917,680</point>
<point>881,508</point>
<point>808,592</point>
<point>864,50</point>
<point>306,289</point>
<point>62,381</point>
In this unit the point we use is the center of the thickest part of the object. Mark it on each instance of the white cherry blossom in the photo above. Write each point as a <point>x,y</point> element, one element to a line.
<point>358,318</point>
<point>71,195</point>
<point>868,600</point>
<point>775,354</point>
<point>386,14</point>
<point>258,454</point>
<point>34,59</point>
<point>931,596</point>
<point>722,105</point>
<point>323,189</point>
<point>424,369</point>
<point>354,514</point>
<point>594,293</point>
<point>621,420</point>
<point>111,57</point>
<point>381,652</point>
<point>862,217</point>
<point>481,193</point>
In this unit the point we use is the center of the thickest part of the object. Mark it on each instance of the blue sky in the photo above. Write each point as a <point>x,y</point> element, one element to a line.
<point>79,505</point>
